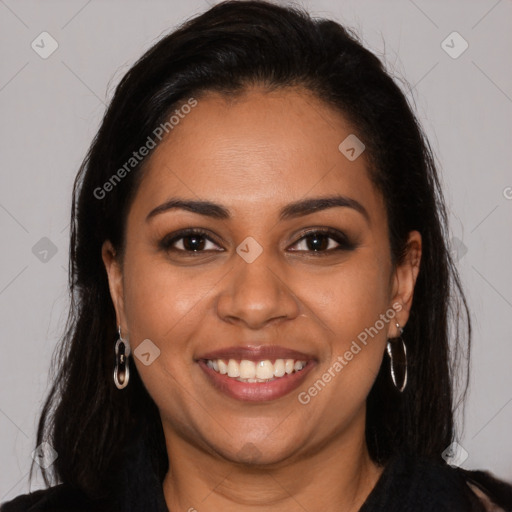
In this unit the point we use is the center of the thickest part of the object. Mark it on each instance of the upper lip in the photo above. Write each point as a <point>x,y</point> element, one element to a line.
<point>260,353</point>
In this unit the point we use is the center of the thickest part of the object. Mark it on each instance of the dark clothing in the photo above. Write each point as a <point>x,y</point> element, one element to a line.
<point>406,485</point>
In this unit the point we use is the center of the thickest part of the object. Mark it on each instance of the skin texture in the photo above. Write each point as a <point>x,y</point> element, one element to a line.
<point>255,154</point>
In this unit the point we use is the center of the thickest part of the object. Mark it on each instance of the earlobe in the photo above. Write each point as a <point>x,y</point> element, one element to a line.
<point>115,279</point>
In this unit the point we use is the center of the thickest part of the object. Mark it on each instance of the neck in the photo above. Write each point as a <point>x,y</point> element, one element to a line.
<point>337,476</point>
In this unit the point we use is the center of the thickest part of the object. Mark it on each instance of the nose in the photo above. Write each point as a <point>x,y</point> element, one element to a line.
<point>257,294</point>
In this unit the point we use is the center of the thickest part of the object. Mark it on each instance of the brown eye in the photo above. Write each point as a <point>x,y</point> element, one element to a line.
<point>190,240</point>
<point>324,241</point>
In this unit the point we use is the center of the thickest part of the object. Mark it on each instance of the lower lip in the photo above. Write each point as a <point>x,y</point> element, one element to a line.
<point>256,391</point>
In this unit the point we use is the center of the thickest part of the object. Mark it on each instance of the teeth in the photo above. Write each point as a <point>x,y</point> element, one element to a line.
<point>233,369</point>
<point>265,370</point>
<point>223,367</point>
<point>247,369</point>
<point>279,368</point>
<point>261,371</point>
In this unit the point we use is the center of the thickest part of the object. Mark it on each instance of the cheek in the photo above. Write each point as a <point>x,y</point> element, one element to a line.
<point>353,303</point>
<point>351,296</point>
<point>163,306</point>
<point>160,299</point>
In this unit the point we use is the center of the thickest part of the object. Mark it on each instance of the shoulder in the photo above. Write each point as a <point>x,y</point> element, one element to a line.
<point>494,494</point>
<point>425,485</point>
<point>479,490</point>
<point>61,498</point>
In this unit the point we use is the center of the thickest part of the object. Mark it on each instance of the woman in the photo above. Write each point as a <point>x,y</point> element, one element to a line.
<point>261,288</point>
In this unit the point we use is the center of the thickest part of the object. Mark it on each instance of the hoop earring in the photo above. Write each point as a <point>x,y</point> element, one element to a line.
<point>398,356</point>
<point>122,367</point>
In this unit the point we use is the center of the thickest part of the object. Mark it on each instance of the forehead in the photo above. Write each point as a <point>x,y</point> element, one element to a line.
<point>256,150</point>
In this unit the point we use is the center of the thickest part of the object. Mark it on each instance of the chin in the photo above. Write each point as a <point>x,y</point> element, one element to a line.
<point>256,453</point>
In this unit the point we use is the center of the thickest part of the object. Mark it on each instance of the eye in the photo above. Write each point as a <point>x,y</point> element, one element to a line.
<point>190,240</point>
<point>194,241</point>
<point>325,240</point>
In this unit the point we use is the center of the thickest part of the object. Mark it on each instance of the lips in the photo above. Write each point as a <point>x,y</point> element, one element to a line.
<point>231,371</point>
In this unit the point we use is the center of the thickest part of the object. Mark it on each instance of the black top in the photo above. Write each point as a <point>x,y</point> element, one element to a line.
<point>407,484</point>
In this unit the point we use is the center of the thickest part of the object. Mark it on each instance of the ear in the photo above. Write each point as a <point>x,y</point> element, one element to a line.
<point>404,280</point>
<point>115,282</point>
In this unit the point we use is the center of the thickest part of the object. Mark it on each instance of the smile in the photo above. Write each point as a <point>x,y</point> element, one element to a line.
<point>256,381</point>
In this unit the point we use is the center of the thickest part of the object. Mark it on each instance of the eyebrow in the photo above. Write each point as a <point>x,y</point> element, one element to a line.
<point>290,211</point>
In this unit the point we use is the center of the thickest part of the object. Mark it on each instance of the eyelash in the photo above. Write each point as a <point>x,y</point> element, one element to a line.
<point>340,238</point>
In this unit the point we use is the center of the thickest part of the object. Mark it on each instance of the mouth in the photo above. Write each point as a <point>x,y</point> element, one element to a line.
<point>257,375</point>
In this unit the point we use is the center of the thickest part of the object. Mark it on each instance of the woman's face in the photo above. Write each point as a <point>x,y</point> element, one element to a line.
<point>261,276</point>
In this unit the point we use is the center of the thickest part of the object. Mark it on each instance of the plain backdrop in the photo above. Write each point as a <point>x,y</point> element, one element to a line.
<point>51,108</point>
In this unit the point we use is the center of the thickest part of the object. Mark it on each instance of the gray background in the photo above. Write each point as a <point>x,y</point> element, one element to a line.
<point>51,109</point>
